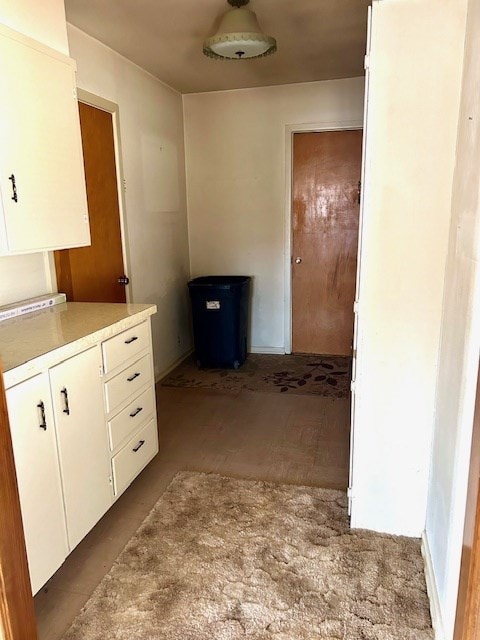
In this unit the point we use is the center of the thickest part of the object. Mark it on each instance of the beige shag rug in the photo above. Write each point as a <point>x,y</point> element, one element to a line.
<point>225,559</point>
<point>298,374</point>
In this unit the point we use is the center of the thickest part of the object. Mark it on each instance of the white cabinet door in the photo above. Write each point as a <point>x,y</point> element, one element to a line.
<point>38,477</point>
<point>42,181</point>
<point>82,441</point>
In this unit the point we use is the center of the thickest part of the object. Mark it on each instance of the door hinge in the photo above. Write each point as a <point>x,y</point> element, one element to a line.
<point>352,386</point>
<point>366,62</point>
<point>349,500</point>
<point>355,306</point>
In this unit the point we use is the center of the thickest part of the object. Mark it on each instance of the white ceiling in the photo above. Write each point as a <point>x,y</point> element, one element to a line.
<point>316,39</point>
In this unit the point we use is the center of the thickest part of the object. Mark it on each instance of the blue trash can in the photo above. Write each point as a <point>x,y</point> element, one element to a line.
<point>220,320</point>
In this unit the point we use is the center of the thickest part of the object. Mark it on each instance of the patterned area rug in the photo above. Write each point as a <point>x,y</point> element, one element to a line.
<point>311,375</point>
<point>225,559</point>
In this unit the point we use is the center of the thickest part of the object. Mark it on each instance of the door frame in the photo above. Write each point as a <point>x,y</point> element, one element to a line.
<point>110,107</point>
<point>290,130</point>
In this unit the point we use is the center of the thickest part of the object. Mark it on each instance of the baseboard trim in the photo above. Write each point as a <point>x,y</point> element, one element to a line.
<point>268,350</point>
<point>435,609</point>
<point>174,365</point>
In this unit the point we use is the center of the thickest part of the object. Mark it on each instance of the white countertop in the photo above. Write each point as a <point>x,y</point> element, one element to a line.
<point>63,329</point>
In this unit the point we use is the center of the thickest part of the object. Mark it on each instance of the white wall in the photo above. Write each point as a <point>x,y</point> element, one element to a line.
<point>459,347</point>
<point>151,131</point>
<point>413,106</point>
<point>235,147</point>
<point>27,276</point>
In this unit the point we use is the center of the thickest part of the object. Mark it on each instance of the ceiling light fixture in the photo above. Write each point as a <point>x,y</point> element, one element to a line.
<point>239,36</point>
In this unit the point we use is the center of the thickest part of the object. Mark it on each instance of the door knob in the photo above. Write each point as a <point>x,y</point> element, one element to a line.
<point>123,280</point>
<point>298,260</point>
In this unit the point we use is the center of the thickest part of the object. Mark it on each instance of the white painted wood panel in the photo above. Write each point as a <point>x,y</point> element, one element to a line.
<point>415,78</point>
<point>38,477</point>
<point>40,147</point>
<point>128,463</point>
<point>128,382</point>
<point>82,441</point>
<point>131,418</point>
<point>124,346</point>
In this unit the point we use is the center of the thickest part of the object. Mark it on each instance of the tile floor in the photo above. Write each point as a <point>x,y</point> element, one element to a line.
<point>268,436</point>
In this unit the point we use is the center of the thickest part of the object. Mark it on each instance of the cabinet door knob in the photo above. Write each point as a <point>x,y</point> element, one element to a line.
<point>136,412</point>
<point>43,423</point>
<point>66,408</point>
<point>132,378</point>
<point>130,340</point>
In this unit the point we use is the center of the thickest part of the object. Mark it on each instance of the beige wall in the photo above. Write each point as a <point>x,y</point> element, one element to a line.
<point>44,21</point>
<point>460,345</point>
<point>27,276</point>
<point>413,107</point>
<point>151,130</point>
<point>235,146</point>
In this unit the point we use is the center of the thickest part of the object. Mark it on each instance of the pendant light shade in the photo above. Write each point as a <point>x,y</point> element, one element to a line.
<point>239,36</point>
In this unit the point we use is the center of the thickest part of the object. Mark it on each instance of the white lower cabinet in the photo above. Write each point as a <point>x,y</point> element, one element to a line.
<point>38,477</point>
<point>77,396</point>
<point>130,404</point>
<point>80,436</point>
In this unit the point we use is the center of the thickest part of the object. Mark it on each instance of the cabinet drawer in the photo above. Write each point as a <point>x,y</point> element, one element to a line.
<point>128,420</point>
<point>124,346</point>
<point>128,463</point>
<point>128,382</point>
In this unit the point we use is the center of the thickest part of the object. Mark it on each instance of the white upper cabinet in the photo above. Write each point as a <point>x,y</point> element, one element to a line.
<point>42,182</point>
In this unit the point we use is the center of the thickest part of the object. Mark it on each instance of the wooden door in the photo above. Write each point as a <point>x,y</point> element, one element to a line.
<point>77,396</point>
<point>467,624</point>
<point>90,274</point>
<point>326,182</point>
<point>38,477</point>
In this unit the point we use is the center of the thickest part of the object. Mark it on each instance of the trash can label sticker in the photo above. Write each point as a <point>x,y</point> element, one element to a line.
<point>213,304</point>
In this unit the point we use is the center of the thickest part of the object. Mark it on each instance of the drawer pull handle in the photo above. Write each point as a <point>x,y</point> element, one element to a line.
<point>14,188</point>
<point>135,375</point>
<point>132,339</point>
<point>139,445</point>
<point>136,412</point>
<point>43,424</point>
<point>66,409</point>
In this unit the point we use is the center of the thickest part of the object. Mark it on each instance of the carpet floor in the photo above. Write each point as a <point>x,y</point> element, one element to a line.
<point>302,374</point>
<point>225,559</point>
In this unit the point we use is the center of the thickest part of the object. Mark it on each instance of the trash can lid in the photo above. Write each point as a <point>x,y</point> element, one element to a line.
<point>219,282</point>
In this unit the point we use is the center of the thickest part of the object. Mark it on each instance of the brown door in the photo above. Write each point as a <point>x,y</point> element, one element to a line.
<point>467,624</point>
<point>90,274</point>
<point>326,184</point>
